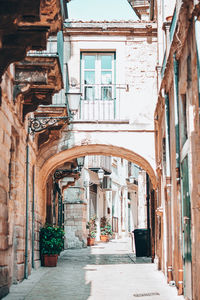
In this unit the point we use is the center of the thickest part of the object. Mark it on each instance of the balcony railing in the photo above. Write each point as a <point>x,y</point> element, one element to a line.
<point>101,102</point>
<point>139,3</point>
<point>98,161</point>
<point>133,170</point>
<point>55,48</point>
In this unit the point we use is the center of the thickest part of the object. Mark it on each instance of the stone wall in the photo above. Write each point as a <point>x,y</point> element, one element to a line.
<point>75,225</point>
<point>13,140</point>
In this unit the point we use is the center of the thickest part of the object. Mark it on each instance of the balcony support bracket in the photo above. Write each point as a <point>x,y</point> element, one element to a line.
<point>38,124</point>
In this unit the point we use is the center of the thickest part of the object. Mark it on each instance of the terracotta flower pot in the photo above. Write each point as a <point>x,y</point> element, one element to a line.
<point>90,241</point>
<point>169,18</point>
<point>50,260</point>
<point>104,238</point>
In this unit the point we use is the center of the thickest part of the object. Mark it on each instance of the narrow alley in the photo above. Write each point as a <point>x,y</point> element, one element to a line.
<point>100,149</point>
<point>108,271</point>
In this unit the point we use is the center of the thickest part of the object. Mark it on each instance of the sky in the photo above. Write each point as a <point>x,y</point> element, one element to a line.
<point>100,10</point>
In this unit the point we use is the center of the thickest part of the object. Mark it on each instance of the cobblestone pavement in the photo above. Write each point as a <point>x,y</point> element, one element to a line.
<point>107,271</point>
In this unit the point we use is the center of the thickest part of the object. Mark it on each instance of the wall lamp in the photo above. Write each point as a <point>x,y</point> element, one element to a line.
<point>73,96</point>
<point>38,124</point>
<point>80,162</point>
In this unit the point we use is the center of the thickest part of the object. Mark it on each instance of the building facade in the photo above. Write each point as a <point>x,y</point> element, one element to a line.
<point>120,198</point>
<point>23,86</point>
<point>177,144</point>
<point>125,112</point>
<point>35,129</point>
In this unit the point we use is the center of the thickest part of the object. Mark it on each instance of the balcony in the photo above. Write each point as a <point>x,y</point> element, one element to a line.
<point>141,8</point>
<point>140,3</point>
<point>97,161</point>
<point>26,25</point>
<point>39,76</point>
<point>101,102</point>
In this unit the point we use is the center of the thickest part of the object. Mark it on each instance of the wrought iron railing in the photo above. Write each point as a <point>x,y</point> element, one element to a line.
<point>101,101</point>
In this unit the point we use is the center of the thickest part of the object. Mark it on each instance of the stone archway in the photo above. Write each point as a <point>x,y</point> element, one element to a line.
<point>94,149</point>
<point>58,159</point>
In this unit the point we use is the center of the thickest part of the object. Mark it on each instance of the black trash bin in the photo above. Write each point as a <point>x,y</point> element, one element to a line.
<point>141,242</point>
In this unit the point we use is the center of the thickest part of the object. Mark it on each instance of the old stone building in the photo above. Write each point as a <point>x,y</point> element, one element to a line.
<point>139,88</point>
<point>33,145</point>
<point>177,145</point>
<point>120,197</point>
<point>24,26</point>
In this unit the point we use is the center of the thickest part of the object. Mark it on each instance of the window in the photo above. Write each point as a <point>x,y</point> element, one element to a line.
<point>97,76</point>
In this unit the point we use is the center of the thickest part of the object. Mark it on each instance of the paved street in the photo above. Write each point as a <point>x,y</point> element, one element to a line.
<point>104,272</point>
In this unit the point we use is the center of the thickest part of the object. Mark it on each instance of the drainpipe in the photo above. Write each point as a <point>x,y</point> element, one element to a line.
<point>27,208</point>
<point>197,36</point>
<point>176,109</point>
<point>167,134</point>
<point>168,188</point>
<point>148,218</point>
<point>33,219</point>
<point>176,114</point>
<point>60,206</point>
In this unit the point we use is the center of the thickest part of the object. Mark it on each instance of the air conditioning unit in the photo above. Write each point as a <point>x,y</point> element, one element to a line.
<point>107,183</point>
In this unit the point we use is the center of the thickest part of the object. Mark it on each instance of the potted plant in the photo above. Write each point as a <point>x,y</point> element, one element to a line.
<point>51,244</point>
<point>92,226</point>
<point>106,230</point>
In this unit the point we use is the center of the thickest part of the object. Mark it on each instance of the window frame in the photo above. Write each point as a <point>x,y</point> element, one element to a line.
<point>98,85</point>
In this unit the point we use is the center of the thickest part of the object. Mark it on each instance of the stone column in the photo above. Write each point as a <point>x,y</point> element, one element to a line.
<point>75,218</point>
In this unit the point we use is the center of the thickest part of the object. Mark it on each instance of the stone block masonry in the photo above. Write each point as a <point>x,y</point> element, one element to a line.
<point>75,225</point>
<point>13,136</point>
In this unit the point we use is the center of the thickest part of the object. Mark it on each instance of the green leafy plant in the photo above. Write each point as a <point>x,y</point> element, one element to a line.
<point>106,228</point>
<point>92,226</point>
<point>51,239</point>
